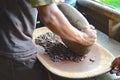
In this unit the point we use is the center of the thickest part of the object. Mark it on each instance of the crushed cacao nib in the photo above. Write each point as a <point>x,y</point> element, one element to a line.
<point>92,59</point>
<point>56,49</point>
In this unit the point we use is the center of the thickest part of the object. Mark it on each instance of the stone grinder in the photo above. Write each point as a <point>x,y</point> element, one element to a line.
<point>79,22</point>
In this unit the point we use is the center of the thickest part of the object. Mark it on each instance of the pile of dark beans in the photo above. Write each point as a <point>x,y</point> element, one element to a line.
<point>56,49</point>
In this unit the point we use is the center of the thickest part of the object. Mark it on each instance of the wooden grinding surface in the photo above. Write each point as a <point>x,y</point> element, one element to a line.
<point>84,69</point>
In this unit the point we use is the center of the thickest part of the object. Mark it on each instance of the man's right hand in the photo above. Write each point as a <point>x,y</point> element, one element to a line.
<point>89,36</point>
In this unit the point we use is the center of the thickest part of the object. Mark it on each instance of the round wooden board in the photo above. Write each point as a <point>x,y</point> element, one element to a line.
<point>83,69</point>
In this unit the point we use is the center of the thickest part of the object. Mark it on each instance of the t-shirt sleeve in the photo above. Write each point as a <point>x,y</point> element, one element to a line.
<point>36,3</point>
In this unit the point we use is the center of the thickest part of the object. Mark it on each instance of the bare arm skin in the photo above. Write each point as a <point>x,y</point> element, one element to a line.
<point>59,1</point>
<point>54,19</point>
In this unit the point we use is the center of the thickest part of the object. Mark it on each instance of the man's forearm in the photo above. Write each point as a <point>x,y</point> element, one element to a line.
<point>54,19</point>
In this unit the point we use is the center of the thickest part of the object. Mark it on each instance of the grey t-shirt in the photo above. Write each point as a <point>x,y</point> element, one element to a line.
<point>17,23</point>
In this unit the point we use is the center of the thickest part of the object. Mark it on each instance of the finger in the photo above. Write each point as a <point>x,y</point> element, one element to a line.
<point>118,73</point>
<point>92,27</point>
<point>95,40</point>
<point>92,42</point>
<point>113,71</point>
<point>93,36</point>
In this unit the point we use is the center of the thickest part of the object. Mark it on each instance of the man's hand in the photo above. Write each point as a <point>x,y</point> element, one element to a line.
<point>115,66</point>
<point>89,36</point>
